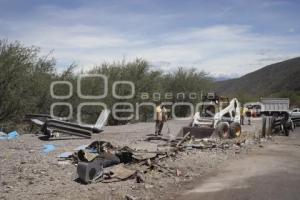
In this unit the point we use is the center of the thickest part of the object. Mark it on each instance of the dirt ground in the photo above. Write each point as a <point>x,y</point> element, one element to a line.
<point>27,173</point>
<point>272,173</point>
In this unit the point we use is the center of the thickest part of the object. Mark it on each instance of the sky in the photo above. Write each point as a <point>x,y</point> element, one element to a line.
<point>226,38</point>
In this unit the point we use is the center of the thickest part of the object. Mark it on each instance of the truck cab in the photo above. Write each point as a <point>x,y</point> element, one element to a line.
<point>295,112</point>
<point>295,115</point>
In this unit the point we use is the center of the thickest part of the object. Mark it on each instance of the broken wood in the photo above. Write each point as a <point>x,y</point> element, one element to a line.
<point>183,139</point>
<point>139,177</point>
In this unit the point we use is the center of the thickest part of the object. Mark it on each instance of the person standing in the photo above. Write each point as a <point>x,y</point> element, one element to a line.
<point>242,115</point>
<point>247,115</point>
<point>161,117</point>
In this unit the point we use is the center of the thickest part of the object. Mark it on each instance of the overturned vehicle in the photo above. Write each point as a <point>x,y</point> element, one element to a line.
<point>53,127</point>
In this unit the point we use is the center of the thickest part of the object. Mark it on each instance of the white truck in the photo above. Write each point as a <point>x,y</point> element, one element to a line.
<point>295,115</point>
<point>271,106</point>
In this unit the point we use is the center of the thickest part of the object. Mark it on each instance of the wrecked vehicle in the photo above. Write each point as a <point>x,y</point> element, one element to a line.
<point>54,127</point>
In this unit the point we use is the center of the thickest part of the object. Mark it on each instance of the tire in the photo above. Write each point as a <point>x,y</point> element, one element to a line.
<point>287,132</point>
<point>293,126</point>
<point>48,133</point>
<point>235,129</point>
<point>223,130</point>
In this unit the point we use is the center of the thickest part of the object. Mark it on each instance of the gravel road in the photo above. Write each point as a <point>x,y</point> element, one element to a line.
<point>269,172</point>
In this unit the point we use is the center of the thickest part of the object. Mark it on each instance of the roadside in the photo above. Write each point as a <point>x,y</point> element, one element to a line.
<point>270,172</point>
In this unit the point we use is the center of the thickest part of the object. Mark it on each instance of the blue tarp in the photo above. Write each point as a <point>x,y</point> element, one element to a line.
<point>48,148</point>
<point>9,136</point>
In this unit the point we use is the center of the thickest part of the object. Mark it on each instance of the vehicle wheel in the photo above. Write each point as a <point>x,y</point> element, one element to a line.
<point>282,129</point>
<point>287,132</point>
<point>223,130</point>
<point>48,133</point>
<point>293,126</point>
<point>235,129</point>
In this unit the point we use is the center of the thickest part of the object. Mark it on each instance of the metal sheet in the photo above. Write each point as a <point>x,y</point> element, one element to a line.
<point>198,132</point>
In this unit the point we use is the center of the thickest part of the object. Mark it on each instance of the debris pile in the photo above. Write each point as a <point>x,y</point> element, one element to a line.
<point>9,136</point>
<point>102,162</point>
<point>58,127</point>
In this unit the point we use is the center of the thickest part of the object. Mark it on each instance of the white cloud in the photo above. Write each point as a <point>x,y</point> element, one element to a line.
<point>291,30</point>
<point>217,50</point>
<point>90,35</point>
<point>221,49</point>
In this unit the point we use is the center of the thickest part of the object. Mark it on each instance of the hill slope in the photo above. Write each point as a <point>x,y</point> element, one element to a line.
<point>279,79</point>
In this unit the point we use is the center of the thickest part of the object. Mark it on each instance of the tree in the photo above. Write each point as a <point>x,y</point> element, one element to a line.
<point>24,80</point>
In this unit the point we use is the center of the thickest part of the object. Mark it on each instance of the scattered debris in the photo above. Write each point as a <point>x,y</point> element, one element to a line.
<point>117,173</point>
<point>148,186</point>
<point>86,156</point>
<point>139,177</point>
<point>81,147</point>
<point>146,163</point>
<point>2,134</point>
<point>63,162</point>
<point>178,172</point>
<point>183,139</point>
<point>102,162</point>
<point>47,148</point>
<point>140,156</point>
<point>9,136</point>
<point>129,197</point>
<point>55,127</point>
<point>65,155</point>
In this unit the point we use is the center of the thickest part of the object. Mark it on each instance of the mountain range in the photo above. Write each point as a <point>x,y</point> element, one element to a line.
<point>281,79</point>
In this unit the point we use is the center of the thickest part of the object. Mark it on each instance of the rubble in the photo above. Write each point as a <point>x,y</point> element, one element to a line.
<point>2,134</point>
<point>47,148</point>
<point>9,136</point>
<point>139,177</point>
<point>56,127</point>
<point>147,163</point>
<point>117,173</point>
<point>117,164</point>
<point>129,197</point>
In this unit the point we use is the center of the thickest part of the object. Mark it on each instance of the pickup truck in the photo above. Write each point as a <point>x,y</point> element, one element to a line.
<point>295,115</point>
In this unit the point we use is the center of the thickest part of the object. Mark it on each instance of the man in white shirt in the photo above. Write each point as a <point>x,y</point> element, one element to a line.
<point>161,117</point>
